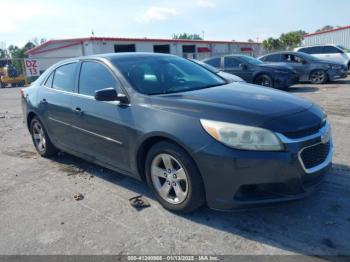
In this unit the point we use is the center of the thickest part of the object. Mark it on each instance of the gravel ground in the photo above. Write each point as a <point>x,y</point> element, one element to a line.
<point>38,214</point>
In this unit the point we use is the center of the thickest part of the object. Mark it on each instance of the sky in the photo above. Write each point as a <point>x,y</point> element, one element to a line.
<point>238,20</point>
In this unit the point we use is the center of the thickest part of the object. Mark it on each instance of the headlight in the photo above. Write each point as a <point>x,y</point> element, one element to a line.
<point>336,67</point>
<point>242,137</point>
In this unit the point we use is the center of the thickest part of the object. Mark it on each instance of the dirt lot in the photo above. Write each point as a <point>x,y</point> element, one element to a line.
<point>39,216</point>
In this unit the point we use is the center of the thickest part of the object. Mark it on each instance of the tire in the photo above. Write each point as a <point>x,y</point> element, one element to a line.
<point>40,139</point>
<point>183,191</point>
<point>318,77</point>
<point>264,80</point>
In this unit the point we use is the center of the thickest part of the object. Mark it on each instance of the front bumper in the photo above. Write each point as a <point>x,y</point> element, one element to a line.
<point>239,179</point>
<point>335,74</point>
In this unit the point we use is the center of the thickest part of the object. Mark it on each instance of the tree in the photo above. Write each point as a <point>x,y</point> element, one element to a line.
<point>285,41</point>
<point>250,40</point>
<point>272,44</point>
<point>187,36</point>
<point>2,53</point>
<point>292,39</point>
<point>325,28</point>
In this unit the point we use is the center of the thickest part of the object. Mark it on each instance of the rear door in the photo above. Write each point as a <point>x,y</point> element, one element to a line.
<point>232,66</point>
<point>55,103</point>
<point>102,127</point>
<point>333,54</point>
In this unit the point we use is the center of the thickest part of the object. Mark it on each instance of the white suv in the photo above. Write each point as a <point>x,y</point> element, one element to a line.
<point>333,53</point>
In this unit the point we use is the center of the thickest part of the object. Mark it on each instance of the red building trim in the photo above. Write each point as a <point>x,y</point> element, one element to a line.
<point>120,39</point>
<point>328,31</point>
<point>33,52</point>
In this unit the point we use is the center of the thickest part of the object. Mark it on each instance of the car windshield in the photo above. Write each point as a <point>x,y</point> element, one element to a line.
<point>153,74</point>
<point>347,50</point>
<point>251,60</point>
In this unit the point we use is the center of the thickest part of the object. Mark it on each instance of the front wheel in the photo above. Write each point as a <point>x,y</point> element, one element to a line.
<point>174,178</point>
<point>40,139</point>
<point>264,80</point>
<point>318,77</point>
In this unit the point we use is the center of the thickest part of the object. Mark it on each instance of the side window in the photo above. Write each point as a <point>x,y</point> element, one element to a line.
<point>94,76</point>
<point>215,62</point>
<point>330,50</point>
<point>48,82</point>
<point>290,58</point>
<point>312,50</point>
<point>64,78</point>
<point>272,58</point>
<point>231,62</point>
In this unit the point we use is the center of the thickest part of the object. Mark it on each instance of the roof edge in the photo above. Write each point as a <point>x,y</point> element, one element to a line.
<point>93,38</point>
<point>328,31</point>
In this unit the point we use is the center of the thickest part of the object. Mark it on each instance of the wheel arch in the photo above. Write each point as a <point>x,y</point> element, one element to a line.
<point>318,69</point>
<point>147,144</point>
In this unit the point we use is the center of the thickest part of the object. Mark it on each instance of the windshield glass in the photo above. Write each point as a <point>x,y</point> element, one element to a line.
<point>165,74</point>
<point>251,60</point>
<point>347,50</point>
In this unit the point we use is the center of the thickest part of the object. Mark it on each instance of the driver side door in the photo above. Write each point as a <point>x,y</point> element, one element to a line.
<point>103,128</point>
<point>232,66</point>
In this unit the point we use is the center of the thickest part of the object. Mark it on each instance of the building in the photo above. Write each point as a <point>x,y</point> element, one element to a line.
<point>53,51</point>
<point>337,36</point>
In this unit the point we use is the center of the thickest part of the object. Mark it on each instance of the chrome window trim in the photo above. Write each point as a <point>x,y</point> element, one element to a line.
<point>86,131</point>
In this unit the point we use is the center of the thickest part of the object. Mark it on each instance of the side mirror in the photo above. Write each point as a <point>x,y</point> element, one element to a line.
<point>243,66</point>
<point>110,94</point>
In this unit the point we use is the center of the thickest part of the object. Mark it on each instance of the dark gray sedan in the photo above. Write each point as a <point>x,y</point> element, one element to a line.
<point>309,67</point>
<point>192,136</point>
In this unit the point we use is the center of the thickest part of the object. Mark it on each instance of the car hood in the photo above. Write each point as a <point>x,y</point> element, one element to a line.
<point>230,77</point>
<point>238,103</point>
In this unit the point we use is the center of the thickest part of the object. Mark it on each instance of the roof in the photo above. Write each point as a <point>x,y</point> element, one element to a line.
<point>76,41</point>
<point>328,31</point>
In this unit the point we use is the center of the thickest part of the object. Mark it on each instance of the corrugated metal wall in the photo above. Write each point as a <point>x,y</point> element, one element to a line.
<point>340,37</point>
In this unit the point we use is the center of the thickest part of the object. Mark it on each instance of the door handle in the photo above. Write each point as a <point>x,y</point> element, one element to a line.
<point>43,101</point>
<point>78,110</point>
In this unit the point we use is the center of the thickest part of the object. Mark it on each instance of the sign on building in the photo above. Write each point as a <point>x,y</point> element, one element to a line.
<point>32,67</point>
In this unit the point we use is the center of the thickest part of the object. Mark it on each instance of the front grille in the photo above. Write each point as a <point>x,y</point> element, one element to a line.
<point>315,155</point>
<point>305,132</point>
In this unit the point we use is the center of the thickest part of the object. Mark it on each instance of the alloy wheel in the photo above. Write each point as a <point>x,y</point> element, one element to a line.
<point>264,81</point>
<point>318,76</point>
<point>169,178</point>
<point>39,136</point>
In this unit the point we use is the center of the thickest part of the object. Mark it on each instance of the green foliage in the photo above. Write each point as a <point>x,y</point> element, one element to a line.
<point>187,36</point>
<point>325,28</point>
<point>286,41</point>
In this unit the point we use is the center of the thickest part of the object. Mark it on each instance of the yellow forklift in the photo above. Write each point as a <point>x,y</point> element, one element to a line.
<point>9,75</point>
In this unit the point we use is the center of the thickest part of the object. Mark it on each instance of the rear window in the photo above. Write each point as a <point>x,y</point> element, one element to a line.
<point>64,78</point>
<point>331,50</point>
<point>311,50</point>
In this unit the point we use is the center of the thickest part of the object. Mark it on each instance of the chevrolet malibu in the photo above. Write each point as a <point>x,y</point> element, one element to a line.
<point>192,136</point>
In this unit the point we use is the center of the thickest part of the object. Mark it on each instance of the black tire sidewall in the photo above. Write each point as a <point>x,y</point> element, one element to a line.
<point>195,197</point>
<point>264,76</point>
<point>49,148</point>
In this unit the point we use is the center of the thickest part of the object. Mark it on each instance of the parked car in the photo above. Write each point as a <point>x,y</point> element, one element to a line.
<point>332,53</point>
<point>192,136</point>
<point>308,67</point>
<point>228,77</point>
<point>254,71</point>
